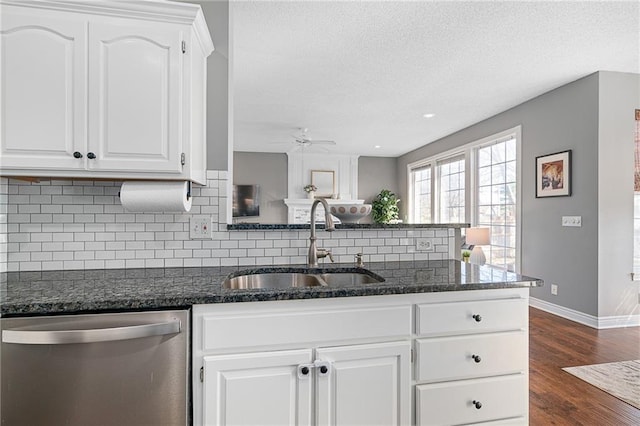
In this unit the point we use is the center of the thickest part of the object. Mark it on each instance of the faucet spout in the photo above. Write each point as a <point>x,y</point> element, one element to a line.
<point>328,226</point>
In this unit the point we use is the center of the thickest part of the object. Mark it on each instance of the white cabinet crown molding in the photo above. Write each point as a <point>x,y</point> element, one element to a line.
<point>153,10</point>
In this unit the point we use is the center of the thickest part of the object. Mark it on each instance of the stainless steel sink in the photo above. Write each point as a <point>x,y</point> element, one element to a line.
<point>348,278</point>
<point>277,280</point>
<point>284,280</point>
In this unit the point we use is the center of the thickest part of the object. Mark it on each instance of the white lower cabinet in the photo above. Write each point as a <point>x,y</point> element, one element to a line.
<point>365,385</point>
<point>348,385</point>
<point>263,388</point>
<point>472,401</point>
<point>349,361</point>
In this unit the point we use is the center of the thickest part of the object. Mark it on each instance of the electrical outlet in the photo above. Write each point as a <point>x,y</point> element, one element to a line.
<point>554,289</point>
<point>572,221</point>
<point>200,227</point>
<point>425,244</point>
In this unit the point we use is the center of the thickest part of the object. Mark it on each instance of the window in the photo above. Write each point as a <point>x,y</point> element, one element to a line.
<point>421,184</point>
<point>496,200</point>
<point>451,193</point>
<point>478,184</point>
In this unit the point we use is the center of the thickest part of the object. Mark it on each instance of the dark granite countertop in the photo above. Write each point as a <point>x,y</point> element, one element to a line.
<point>114,290</point>
<point>277,226</point>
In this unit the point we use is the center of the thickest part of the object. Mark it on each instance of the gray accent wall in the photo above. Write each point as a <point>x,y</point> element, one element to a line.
<point>269,170</point>
<point>565,118</point>
<point>219,112</point>
<point>594,117</point>
<point>374,175</point>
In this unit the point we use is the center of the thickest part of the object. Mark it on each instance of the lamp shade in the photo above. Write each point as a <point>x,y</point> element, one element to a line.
<point>478,236</point>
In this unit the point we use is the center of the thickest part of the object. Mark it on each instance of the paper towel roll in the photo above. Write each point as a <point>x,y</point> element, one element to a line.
<point>155,197</point>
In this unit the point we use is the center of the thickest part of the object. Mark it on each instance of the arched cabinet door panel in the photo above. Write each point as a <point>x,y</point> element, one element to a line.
<point>135,98</point>
<point>42,87</point>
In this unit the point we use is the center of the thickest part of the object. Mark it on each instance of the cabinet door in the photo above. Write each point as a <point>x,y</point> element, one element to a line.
<point>42,90</point>
<point>135,95</point>
<point>257,389</point>
<point>364,385</point>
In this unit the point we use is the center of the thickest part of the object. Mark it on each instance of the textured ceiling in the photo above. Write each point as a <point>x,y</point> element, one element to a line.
<point>364,73</point>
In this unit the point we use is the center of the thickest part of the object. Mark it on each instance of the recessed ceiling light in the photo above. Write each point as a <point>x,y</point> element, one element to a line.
<point>429,115</point>
<point>377,146</point>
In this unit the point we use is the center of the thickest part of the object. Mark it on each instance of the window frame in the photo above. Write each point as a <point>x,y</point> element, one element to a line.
<point>469,151</point>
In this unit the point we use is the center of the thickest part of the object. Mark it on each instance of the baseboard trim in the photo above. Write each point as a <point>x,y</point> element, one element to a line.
<point>586,319</point>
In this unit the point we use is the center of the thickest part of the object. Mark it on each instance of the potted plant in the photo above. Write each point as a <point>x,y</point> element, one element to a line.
<point>384,207</point>
<point>466,254</point>
<point>310,190</point>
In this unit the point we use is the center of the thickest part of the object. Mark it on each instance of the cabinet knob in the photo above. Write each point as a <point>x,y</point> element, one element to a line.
<point>476,317</point>
<point>324,369</point>
<point>77,155</point>
<point>304,371</point>
<point>91,156</point>
<point>476,358</point>
<point>477,404</point>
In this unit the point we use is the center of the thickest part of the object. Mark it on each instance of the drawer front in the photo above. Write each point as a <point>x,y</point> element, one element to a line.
<point>504,397</point>
<point>463,357</point>
<point>472,317</point>
<point>298,327</point>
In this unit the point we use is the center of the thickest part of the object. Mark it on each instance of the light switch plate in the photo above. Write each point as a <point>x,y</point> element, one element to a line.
<point>575,221</point>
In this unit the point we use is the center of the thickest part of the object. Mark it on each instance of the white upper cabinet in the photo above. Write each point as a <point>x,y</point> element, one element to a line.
<point>104,89</point>
<point>43,90</point>
<point>135,97</point>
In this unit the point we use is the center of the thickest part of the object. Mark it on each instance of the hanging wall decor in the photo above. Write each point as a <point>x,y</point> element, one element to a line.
<point>553,175</point>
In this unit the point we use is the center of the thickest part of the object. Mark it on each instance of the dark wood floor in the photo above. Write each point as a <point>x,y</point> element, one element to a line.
<point>557,397</point>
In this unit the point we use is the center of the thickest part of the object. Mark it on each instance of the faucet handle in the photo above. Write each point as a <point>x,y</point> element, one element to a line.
<point>359,261</point>
<point>325,253</point>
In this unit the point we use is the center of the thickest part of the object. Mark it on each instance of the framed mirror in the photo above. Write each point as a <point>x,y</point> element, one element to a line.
<point>325,181</point>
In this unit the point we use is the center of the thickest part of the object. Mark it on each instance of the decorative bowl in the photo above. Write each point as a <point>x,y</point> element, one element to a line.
<point>350,213</point>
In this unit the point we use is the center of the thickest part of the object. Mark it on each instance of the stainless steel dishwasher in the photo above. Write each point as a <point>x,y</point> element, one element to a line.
<point>98,369</point>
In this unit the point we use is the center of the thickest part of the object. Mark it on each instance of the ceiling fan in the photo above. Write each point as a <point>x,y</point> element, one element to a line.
<point>302,140</point>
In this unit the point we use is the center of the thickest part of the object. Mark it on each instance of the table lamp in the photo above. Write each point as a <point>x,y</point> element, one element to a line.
<point>478,237</point>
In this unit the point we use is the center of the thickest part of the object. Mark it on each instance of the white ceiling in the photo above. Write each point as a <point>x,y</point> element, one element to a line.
<point>364,73</point>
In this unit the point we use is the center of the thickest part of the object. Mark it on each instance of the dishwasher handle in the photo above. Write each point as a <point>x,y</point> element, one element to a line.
<point>61,337</point>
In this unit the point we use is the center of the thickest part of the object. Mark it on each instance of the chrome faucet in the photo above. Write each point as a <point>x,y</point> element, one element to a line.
<point>314,252</point>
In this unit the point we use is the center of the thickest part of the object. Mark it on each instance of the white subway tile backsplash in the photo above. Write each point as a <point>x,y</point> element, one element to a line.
<point>62,224</point>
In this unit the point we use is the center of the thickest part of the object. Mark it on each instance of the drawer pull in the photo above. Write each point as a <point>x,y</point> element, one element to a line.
<point>91,156</point>
<point>477,317</point>
<point>477,404</point>
<point>77,155</point>
<point>476,358</point>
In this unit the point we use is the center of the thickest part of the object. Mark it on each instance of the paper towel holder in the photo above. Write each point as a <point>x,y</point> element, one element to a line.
<point>188,190</point>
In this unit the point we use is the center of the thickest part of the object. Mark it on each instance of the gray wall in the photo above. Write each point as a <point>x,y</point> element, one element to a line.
<point>219,114</point>
<point>565,118</point>
<point>269,170</point>
<point>374,175</point>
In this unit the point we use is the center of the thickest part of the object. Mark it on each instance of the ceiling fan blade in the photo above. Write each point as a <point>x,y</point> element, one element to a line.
<point>323,142</point>
<point>279,143</point>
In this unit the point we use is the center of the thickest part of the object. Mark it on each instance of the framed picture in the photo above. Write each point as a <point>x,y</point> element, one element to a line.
<point>325,181</point>
<point>553,175</point>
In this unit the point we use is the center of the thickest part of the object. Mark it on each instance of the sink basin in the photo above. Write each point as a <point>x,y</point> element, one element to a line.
<point>284,280</point>
<point>348,278</point>
<point>276,280</point>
